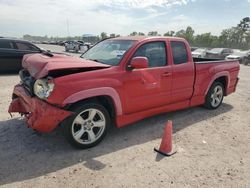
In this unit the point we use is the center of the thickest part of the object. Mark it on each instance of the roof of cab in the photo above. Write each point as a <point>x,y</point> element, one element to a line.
<point>140,38</point>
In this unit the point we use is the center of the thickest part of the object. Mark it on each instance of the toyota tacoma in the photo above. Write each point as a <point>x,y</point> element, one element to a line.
<point>115,83</point>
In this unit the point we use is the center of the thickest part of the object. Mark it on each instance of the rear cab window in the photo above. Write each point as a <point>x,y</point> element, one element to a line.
<point>155,52</point>
<point>179,51</point>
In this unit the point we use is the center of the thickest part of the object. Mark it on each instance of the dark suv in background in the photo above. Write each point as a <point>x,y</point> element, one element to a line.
<point>11,53</point>
<point>219,53</point>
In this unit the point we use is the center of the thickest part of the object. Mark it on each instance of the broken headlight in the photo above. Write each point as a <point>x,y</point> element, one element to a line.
<point>43,87</point>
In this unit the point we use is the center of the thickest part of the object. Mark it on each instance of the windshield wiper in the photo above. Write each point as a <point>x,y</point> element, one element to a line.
<point>96,60</point>
<point>47,53</point>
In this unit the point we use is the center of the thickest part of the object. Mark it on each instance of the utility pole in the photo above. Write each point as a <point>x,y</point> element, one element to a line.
<point>68,27</point>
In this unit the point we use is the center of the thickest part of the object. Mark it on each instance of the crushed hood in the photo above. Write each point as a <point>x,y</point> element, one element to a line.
<point>39,65</point>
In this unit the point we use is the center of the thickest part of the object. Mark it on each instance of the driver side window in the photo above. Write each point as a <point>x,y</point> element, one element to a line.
<point>155,52</point>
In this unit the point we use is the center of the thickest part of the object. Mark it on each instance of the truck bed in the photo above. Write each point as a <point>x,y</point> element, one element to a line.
<point>207,70</point>
<point>207,60</point>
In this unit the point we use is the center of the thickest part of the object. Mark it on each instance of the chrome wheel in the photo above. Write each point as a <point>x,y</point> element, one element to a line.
<point>216,96</point>
<point>88,126</point>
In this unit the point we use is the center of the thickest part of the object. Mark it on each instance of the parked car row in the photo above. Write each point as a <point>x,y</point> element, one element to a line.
<point>60,43</point>
<point>223,53</point>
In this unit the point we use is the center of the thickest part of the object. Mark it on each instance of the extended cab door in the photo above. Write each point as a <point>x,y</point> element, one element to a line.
<point>183,72</point>
<point>150,87</point>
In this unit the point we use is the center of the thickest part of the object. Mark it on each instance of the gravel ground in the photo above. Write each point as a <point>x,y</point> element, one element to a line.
<point>212,149</point>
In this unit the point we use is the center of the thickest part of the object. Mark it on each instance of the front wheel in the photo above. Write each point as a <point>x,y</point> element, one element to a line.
<point>88,126</point>
<point>214,96</point>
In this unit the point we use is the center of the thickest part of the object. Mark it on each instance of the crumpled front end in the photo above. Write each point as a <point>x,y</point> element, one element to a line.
<point>40,115</point>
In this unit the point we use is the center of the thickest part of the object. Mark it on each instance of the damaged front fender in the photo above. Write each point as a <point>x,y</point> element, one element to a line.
<point>39,115</point>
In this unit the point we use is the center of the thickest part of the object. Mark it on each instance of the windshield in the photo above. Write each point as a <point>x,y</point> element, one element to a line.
<point>109,52</point>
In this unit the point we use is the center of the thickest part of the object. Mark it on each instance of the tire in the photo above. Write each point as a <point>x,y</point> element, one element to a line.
<point>214,96</point>
<point>246,62</point>
<point>83,131</point>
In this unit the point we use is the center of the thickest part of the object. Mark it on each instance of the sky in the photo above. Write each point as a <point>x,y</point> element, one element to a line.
<point>78,17</point>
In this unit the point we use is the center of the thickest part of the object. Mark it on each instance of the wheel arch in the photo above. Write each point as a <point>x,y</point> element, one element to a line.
<point>106,96</point>
<point>223,78</point>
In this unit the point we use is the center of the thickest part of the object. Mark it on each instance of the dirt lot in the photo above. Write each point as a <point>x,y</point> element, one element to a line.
<point>213,149</point>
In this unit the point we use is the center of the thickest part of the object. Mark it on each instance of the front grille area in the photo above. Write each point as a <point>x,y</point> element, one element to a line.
<point>27,81</point>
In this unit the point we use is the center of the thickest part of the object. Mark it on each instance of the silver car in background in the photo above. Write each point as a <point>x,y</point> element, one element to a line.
<point>76,46</point>
<point>199,53</point>
<point>219,53</point>
<point>242,56</point>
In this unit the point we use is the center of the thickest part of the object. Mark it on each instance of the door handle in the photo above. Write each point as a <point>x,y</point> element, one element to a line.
<point>166,74</point>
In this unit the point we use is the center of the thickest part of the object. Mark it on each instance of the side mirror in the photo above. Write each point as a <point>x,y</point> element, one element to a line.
<point>139,63</point>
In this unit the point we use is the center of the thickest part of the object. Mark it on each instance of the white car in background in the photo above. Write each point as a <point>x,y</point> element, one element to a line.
<point>242,56</point>
<point>76,46</point>
<point>199,53</point>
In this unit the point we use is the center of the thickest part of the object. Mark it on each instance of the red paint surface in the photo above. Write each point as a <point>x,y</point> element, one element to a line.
<point>135,94</point>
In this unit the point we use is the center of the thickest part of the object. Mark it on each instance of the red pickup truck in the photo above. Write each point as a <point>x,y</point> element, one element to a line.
<point>117,82</point>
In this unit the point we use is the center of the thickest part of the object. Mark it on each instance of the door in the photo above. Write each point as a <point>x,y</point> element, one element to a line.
<point>183,72</point>
<point>9,57</point>
<point>149,87</point>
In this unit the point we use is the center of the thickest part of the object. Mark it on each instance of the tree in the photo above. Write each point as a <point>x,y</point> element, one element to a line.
<point>134,33</point>
<point>180,33</point>
<point>104,35</point>
<point>153,33</point>
<point>141,34</point>
<point>169,33</point>
<point>205,40</point>
<point>112,35</point>
<point>188,34</point>
<point>243,30</point>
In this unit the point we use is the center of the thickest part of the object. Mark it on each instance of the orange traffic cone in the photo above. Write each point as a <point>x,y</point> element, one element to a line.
<point>166,142</point>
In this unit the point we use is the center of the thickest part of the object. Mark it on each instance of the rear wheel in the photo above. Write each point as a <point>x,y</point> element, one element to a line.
<point>214,96</point>
<point>246,62</point>
<point>88,126</point>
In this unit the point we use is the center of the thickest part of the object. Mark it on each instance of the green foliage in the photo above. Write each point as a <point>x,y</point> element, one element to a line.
<point>169,34</point>
<point>153,33</point>
<point>104,35</point>
<point>134,33</point>
<point>234,37</point>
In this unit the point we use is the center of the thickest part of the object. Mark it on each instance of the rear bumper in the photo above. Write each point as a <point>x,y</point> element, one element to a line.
<point>39,115</point>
